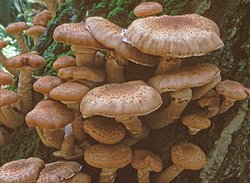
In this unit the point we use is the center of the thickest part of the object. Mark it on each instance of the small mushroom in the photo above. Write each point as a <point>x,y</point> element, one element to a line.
<point>63,62</point>
<point>109,158</point>
<point>21,171</point>
<point>145,161</point>
<point>184,156</point>
<point>42,18</point>
<point>35,32</point>
<point>147,9</point>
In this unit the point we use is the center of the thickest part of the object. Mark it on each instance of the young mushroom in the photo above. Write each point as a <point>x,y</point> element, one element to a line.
<point>147,9</point>
<point>63,62</point>
<point>35,32</point>
<point>42,18</point>
<point>6,78</point>
<point>184,156</point>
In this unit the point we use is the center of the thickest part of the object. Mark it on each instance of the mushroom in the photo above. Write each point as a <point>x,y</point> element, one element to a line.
<point>145,161</point>
<point>174,37</point>
<point>195,123</point>
<point>58,171</point>
<point>52,5</point>
<point>147,9</point>
<point>109,35</point>
<point>16,29</point>
<point>21,171</point>
<point>6,78</point>
<point>104,130</point>
<point>124,102</point>
<point>232,91</point>
<point>78,178</point>
<point>42,18</point>
<point>35,32</point>
<point>184,156</point>
<point>63,62</point>
<point>4,136</point>
<point>109,158</point>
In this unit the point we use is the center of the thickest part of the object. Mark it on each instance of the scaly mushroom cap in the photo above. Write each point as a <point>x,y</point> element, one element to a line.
<point>7,97</point>
<point>134,98</point>
<point>196,121</point>
<point>3,44</point>
<point>49,114</point>
<point>76,34</point>
<point>35,30</point>
<point>143,159</point>
<point>188,156</point>
<point>189,77</point>
<point>109,35</point>
<point>104,130</point>
<point>146,9</point>
<point>6,78</point>
<point>16,27</point>
<point>232,90</point>
<point>108,156</point>
<point>176,36</point>
<point>58,171</point>
<point>45,84</point>
<point>21,171</point>
<point>63,62</point>
<point>79,178</point>
<point>42,18</point>
<point>69,92</point>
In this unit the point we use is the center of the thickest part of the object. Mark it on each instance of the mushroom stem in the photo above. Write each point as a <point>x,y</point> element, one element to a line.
<point>193,131</point>
<point>84,56</point>
<point>107,175</point>
<point>36,39</point>
<point>168,174</point>
<point>23,47</point>
<point>168,64</point>
<point>226,104</point>
<point>42,137</point>
<point>54,137</point>
<point>143,176</point>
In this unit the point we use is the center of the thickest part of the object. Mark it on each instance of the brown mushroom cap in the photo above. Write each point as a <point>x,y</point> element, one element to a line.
<point>196,121</point>
<point>109,35</point>
<point>45,84</point>
<point>7,97</point>
<point>16,27</point>
<point>35,30</point>
<point>176,36</point>
<point>58,171</point>
<point>104,130</point>
<point>108,156</point>
<point>21,171</point>
<point>69,92</point>
<point>188,156</point>
<point>134,98</point>
<point>143,159</point>
<point>42,18</point>
<point>189,77</point>
<point>49,114</point>
<point>76,34</point>
<point>6,78</point>
<point>63,62</point>
<point>3,44</point>
<point>232,90</point>
<point>146,9</point>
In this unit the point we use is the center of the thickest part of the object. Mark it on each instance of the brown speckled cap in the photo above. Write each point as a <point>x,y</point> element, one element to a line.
<point>134,98</point>
<point>42,18</point>
<point>7,97</point>
<point>3,44</point>
<point>21,171</point>
<point>104,130</point>
<point>6,78</point>
<point>63,62</point>
<point>49,114</point>
<point>176,36</point>
<point>146,9</point>
<point>58,171</point>
<point>188,156</point>
<point>35,30</point>
<point>108,156</point>
<point>16,27</point>
<point>196,121</point>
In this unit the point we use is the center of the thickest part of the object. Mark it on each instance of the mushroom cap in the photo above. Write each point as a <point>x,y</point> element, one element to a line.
<point>3,44</point>
<point>109,34</point>
<point>189,77</point>
<point>104,130</point>
<point>82,73</point>
<point>46,83</point>
<point>146,9</point>
<point>36,30</point>
<point>134,98</point>
<point>69,92</point>
<point>196,121</point>
<point>188,156</point>
<point>31,59</point>
<point>58,171</point>
<point>21,171</point>
<point>7,97</point>
<point>6,78</point>
<point>108,156</point>
<point>42,18</point>
<point>143,159</point>
<point>49,114</point>
<point>79,178</point>
<point>175,36</point>
<point>63,62</point>
<point>76,34</point>
<point>16,27</point>
<point>232,90</point>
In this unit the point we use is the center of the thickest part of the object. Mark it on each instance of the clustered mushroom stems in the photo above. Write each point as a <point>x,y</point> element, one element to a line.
<point>23,47</point>
<point>84,56</point>
<point>107,175</point>
<point>168,64</point>
<point>42,137</point>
